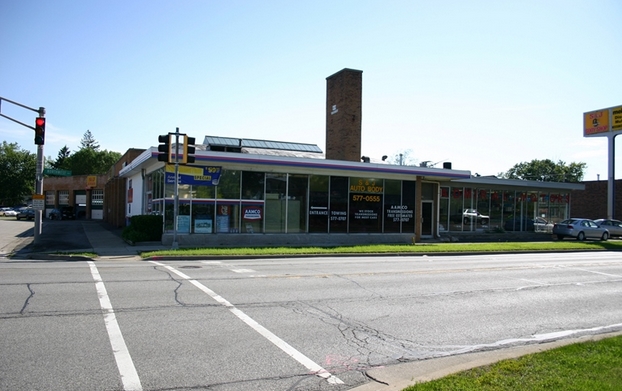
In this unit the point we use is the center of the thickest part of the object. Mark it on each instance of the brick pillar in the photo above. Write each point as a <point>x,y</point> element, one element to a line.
<point>344,92</point>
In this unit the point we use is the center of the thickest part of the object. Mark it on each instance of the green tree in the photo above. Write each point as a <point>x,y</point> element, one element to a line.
<point>17,174</point>
<point>89,160</point>
<point>546,171</point>
<point>61,159</point>
<point>88,141</point>
<point>403,157</point>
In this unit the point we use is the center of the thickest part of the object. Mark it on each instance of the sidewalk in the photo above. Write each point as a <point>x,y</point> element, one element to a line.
<point>88,236</point>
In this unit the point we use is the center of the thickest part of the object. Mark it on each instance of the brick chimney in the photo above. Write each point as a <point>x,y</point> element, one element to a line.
<point>344,92</point>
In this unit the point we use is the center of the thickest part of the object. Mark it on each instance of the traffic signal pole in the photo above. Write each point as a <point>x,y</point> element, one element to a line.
<point>39,183</point>
<point>40,157</point>
<point>175,245</point>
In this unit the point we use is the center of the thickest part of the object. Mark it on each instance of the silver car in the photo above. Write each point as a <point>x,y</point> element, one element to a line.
<point>580,229</point>
<point>613,226</point>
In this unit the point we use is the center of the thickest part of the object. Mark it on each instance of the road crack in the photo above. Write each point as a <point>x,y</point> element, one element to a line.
<point>32,294</point>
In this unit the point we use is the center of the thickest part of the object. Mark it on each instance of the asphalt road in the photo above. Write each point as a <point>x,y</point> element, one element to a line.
<point>285,324</point>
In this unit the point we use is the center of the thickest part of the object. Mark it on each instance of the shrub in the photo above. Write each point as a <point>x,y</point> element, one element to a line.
<point>143,228</point>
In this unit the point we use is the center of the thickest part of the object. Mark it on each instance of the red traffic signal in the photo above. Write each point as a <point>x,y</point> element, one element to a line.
<point>39,131</point>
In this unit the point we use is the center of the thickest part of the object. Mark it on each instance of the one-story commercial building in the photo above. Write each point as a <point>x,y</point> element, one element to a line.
<point>261,192</point>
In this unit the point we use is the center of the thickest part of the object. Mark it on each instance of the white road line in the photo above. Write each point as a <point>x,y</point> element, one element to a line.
<point>230,267</point>
<point>129,376</point>
<point>242,270</point>
<point>284,346</point>
<point>595,272</point>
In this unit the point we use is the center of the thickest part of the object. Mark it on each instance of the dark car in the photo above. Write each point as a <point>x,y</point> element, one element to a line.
<point>613,226</point>
<point>26,214</point>
<point>55,214</point>
<point>67,213</point>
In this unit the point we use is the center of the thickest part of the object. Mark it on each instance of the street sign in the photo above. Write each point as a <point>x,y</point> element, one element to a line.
<point>56,172</point>
<point>38,201</point>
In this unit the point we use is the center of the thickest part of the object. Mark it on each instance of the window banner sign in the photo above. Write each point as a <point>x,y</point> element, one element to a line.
<point>197,176</point>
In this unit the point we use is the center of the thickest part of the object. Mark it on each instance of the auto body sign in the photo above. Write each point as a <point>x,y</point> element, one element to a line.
<point>198,176</point>
<point>602,122</point>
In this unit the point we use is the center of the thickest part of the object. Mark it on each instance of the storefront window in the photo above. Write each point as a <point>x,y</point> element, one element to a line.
<point>496,216</point>
<point>318,204</point>
<point>297,189</point>
<point>227,217</point>
<point>203,217</point>
<point>393,207</point>
<point>338,212</point>
<point>455,210</point>
<point>444,209</point>
<point>509,208</point>
<point>276,193</point>
<point>408,201</point>
<point>366,196</point>
<point>228,185</point>
<point>252,186</point>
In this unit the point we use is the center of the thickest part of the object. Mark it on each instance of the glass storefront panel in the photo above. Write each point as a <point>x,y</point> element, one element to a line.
<point>393,206</point>
<point>228,185</point>
<point>297,190</point>
<point>253,185</point>
<point>338,212</point>
<point>228,217</point>
<point>508,207</point>
<point>496,210</point>
<point>455,208</point>
<point>275,207</point>
<point>318,204</point>
<point>470,203</point>
<point>443,208</point>
<point>202,217</point>
<point>408,201</point>
<point>365,207</point>
<point>252,216</point>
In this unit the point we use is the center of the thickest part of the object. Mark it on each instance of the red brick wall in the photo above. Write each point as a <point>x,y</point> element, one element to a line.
<point>344,91</point>
<point>591,203</point>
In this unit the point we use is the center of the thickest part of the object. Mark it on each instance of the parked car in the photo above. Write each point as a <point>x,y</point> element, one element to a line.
<point>8,212</point>
<point>55,214</point>
<point>526,224</point>
<point>473,215</point>
<point>613,226</point>
<point>580,229</point>
<point>67,213</point>
<point>26,214</point>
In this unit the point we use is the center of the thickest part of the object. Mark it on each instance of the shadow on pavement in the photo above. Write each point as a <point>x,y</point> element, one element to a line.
<point>62,235</point>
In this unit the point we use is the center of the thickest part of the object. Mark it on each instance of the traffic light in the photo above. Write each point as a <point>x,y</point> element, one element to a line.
<point>164,149</point>
<point>189,150</point>
<point>39,131</point>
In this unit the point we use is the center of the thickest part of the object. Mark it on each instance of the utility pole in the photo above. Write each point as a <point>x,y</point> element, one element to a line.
<point>39,129</point>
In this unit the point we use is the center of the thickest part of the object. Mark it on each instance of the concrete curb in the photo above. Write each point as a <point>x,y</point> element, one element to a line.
<point>397,377</point>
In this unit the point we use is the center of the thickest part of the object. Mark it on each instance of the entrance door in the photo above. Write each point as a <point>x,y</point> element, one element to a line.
<point>426,218</point>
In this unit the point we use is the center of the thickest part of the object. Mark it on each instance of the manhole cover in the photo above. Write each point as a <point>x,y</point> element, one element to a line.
<point>190,267</point>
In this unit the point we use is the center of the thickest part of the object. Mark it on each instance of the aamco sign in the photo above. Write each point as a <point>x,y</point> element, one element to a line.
<point>603,122</point>
<point>251,213</point>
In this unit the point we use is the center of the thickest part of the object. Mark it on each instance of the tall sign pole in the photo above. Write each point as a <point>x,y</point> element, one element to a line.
<point>606,123</point>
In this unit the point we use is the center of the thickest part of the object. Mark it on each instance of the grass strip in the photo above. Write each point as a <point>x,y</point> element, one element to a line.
<point>586,366</point>
<point>393,249</point>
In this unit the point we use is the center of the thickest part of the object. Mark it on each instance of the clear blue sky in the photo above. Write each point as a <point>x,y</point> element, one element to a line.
<point>483,84</point>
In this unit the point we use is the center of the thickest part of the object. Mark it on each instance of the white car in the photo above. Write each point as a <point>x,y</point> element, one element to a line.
<point>8,212</point>
<point>473,215</point>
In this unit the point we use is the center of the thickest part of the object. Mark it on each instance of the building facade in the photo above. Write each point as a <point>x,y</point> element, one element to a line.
<point>246,196</point>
